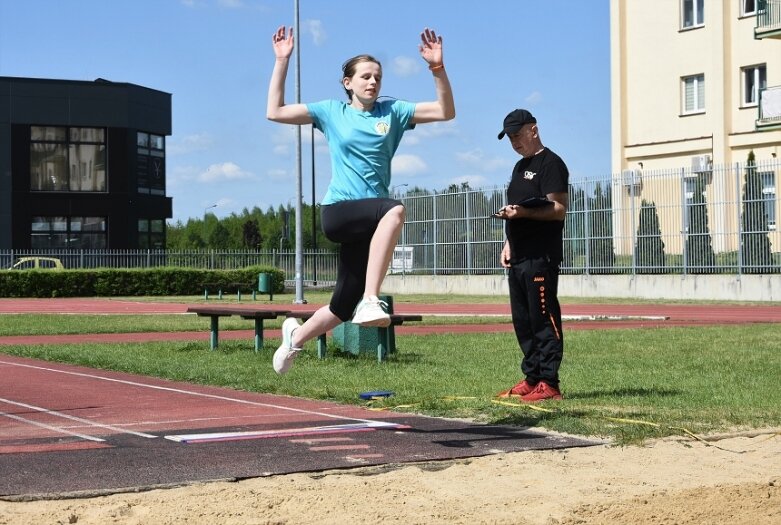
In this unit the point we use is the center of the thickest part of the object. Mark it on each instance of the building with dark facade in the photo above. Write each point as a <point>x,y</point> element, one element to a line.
<point>82,164</point>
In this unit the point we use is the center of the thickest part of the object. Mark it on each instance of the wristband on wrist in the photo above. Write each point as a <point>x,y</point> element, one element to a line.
<point>434,68</point>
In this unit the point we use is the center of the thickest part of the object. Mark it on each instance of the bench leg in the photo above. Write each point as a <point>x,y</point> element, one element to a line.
<point>322,345</point>
<point>383,345</point>
<point>258,334</point>
<point>214,326</point>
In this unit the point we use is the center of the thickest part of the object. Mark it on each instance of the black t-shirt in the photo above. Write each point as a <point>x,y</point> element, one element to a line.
<point>536,176</point>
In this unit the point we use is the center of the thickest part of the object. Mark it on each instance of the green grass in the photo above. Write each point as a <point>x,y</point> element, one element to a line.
<point>68,324</point>
<point>704,379</point>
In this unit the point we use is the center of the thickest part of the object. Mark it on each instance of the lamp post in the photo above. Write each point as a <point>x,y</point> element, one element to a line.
<point>393,188</point>
<point>206,209</point>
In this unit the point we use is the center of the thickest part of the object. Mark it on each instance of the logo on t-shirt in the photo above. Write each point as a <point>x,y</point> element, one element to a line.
<point>529,175</point>
<point>382,127</point>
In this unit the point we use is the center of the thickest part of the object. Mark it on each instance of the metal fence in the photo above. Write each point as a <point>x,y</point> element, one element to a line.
<point>697,219</point>
<point>694,220</point>
<point>319,265</point>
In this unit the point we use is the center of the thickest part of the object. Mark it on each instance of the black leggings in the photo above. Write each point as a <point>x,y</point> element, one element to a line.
<point>352,224</point>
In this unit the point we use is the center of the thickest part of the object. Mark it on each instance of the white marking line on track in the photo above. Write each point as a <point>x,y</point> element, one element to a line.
<point>74,418</point>
<point>190,392</point>
<point>279,433</point>
<point>49,427</point>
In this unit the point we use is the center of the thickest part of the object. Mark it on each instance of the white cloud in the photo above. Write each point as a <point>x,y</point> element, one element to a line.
<point>231,4</point>
<point>477,160</point>
<point>179,175</point>
<point>314,28</point>
<point>408,165</point>
<point>405,66</point>
<point>535,97</point>
<point>190,144</point>
<point>227,171</point>
<point>278,174</point>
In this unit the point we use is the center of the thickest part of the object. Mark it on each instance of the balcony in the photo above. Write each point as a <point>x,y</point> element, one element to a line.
<point>769,109</point>
<point>768,19</point>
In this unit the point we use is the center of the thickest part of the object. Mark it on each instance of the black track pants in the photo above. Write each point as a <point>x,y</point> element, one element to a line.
<point>536,318</point>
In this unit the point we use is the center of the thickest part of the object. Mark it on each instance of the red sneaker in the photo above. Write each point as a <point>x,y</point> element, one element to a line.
<point>519,390</point>
<point>541,392</point>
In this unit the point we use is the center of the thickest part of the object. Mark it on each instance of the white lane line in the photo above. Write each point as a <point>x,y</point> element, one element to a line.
<point>49,427</point>
<point>190,392</point>
<point>87,422</point>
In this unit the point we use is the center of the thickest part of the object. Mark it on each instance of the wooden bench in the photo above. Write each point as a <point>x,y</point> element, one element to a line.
<point>257,314</point>
<point>229,288</point>
<point>386,336</point>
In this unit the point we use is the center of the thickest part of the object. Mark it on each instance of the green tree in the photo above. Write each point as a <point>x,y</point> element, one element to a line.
<point>754,242</point>
<point>219,236</point>
<point>601,254</point>
<point>699,246</point>
<point>251,234</point>
<point>575,230</point>
<point>649,249</point>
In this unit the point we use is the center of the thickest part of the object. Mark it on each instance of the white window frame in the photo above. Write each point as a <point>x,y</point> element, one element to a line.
<point>746,10</point>
<point>757,77</point>
<point>697,8</point>
<point>698,105</point>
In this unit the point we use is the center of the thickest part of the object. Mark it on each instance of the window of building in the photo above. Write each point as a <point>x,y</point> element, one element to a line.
<point>150,163</point>
<point>748,7</point>
<point>151,234</point>
<point>67,159</point>
<point>692,13</point>
<point>69,232</point>
<point>769,197</point>
<point>754,80</point>
<point>693,94</point>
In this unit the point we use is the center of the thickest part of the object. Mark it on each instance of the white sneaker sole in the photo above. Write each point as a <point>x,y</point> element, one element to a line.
<point>286,354</point>
<point>378,322</point>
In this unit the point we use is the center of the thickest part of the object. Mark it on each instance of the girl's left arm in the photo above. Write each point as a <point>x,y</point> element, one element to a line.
<point>444,107</point>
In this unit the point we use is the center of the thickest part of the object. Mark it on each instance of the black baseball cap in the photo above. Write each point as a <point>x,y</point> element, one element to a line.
<point>515,120</point>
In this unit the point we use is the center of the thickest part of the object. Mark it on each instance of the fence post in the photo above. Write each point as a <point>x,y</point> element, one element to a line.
<point>739,201</point>
<point>684,222</point>
<point>468,236</point>
<point>586,231</point>
<point>434,227</point>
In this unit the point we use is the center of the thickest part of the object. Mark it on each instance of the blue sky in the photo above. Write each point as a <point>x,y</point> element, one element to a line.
<point>215,58</point>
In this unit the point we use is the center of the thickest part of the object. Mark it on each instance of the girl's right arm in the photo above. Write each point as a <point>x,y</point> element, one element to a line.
<point>276,109</point>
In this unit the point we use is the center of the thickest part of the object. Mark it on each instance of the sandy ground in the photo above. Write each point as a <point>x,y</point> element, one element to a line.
<point>733,480</point>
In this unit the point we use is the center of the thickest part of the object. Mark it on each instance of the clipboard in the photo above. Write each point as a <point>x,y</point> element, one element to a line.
<point>536,202</point>
<point>532,202</point>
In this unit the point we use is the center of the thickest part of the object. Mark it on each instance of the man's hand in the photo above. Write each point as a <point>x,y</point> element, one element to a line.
<point>504,259</point>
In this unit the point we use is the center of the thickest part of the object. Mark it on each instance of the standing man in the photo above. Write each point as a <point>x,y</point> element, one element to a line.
<point>537,203</point>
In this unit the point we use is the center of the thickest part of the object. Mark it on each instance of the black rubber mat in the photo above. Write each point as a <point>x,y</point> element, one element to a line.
<point>133,463</point>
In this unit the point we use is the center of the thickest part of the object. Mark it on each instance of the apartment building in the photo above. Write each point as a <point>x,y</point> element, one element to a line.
<point>695,86</point>
<point>82,164</point>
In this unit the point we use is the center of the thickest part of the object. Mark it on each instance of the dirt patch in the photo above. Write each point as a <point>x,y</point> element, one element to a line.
<point>732,481</point>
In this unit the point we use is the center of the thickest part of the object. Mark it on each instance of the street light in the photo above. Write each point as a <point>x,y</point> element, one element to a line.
<point>393,188</point>
<point>206,209</point>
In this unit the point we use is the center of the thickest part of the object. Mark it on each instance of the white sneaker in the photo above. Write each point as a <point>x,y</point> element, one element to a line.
<point>371,312</point>
<point>286,353</point>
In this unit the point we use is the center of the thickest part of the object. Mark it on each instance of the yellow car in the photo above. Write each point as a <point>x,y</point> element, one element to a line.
<point>37,263</point>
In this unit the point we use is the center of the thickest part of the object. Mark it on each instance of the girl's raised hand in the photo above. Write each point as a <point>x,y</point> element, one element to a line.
<point>283,42</point>
<point>431,47</point>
